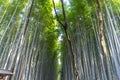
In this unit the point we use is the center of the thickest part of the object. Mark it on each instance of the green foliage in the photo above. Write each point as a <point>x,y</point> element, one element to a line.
<point>13,15</point>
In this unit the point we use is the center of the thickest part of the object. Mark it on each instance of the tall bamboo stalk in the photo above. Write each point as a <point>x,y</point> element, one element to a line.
<point>102,38</point>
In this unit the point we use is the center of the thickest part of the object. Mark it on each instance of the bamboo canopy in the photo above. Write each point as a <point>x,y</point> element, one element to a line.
<point>60,39</point>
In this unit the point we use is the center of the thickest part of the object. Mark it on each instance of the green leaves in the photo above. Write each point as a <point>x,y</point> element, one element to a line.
<point>40,44</point>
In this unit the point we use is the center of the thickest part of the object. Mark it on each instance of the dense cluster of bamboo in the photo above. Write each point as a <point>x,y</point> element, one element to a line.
<point>23,46</point>
<point>87,47</point>
<point>27,47</point>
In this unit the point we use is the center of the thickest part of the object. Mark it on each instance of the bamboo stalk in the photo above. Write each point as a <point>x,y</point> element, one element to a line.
<point>102,38</point>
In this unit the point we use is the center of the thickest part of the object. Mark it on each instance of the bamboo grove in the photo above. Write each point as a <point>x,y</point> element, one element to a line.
<point>60,39</point>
